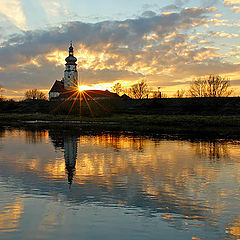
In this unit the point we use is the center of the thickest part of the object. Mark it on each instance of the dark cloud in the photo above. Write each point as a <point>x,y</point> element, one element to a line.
<point>149,14</point>
<point>176,6</point>
<point>33,43</point>
<point>211,67</point>
<point>31,76</point>
<point>100,76</point>
<point>147,46</point>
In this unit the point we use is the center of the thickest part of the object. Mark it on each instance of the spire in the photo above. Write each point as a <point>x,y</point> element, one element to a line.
<point>71,60</point>
<point>71,49</point>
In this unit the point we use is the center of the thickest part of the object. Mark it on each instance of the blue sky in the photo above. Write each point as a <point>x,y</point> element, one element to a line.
<point>167,43</point>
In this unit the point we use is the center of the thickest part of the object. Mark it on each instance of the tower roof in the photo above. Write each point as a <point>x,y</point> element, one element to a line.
<point>71,60</point>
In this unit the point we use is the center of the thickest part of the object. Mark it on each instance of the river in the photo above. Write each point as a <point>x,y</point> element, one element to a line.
<point>68,184</point>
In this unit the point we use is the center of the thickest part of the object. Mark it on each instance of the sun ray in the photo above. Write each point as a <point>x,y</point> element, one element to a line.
<point>73,103</point>
<point>65,100</point>
<point>96,102</point>
<point>80,104</point>
<point>88,105</point>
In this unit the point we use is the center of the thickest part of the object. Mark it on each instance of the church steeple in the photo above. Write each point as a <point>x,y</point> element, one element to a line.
<point>71,49</point>
<point>71,60</point>
<point>70,74</point>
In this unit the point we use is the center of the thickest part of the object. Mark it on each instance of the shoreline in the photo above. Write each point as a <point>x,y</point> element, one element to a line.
<point>126,119</point>
<point>193,128</point>
<point>201,126</point>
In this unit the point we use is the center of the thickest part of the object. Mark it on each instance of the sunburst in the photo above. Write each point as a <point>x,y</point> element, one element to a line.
<point>78,94</point>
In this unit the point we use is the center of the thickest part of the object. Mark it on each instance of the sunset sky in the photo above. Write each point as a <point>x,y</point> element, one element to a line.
<point>167,43</point>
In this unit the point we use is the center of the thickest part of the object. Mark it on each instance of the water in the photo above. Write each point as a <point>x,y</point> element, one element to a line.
<point>59,184</point>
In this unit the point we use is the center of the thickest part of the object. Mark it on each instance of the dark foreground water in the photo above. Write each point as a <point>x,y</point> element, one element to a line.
<point>57,184</point>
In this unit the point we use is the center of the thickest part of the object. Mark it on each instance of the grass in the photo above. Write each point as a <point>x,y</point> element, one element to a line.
<point>127,119</point>
<point>199,127</point>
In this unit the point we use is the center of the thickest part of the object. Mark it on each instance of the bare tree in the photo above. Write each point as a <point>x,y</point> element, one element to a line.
<point>180,93</point>
<point>117,88</point>
<point>139,90</point>
<point>155,94</point>
<point>2,98</point>
<point>164,95</point>
<point>35,94</point>
<point>212,86</point>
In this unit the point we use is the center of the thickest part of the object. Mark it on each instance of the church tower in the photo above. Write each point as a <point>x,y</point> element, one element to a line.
<point>70,79</point>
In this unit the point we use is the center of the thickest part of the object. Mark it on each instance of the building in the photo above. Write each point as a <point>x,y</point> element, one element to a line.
<point>70,79</point>
<point>65,89</point>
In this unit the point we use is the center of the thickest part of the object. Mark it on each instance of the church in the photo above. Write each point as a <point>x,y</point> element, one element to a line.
<point>62,90</point>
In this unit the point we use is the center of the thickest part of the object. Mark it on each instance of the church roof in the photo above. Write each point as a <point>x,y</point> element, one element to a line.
<point>99,93</point>
<point>57,87</point>
<point>95,94</point>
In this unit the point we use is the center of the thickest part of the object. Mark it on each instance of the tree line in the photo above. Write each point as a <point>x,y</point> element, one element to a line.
<point>210,86</point>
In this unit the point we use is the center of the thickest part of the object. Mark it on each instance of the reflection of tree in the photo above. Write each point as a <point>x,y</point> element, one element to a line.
<point>166,179</point>
<point>213,150</point>
<point>160,181</point>
<point>116,141</point>
<point>2,132</point>
<point>36,136</point>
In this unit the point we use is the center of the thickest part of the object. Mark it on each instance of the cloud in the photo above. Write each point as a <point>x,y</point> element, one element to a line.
<point>209,3</point>
<point>95,36</point>
<point>159,47</point>
<point>235,5</point>
<point>13,10</point>
<point>223,34</point>
<point>231,2</point>
<point>176,6</point>
<point>52,8</point>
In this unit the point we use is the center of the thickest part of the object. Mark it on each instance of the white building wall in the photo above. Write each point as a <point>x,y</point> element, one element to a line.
<point>70,77</point>
<point>53,95</point>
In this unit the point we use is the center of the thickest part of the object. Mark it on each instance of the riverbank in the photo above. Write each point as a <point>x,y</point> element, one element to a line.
<point>199,127</point>
<point>125,119</point>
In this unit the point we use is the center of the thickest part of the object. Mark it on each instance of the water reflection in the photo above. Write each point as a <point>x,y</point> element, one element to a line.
<point>68,143</point>
<point>233,229</point>
<point>186,184</point>
<point>10,214</point>
<point>213,150</point>
<point>36,136</point>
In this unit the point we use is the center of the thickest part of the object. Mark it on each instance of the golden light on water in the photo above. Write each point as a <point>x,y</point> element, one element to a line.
<point>10,215</point>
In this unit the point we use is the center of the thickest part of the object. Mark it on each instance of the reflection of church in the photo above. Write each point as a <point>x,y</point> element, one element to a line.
<point>68,143</point>
<point>70,155</point>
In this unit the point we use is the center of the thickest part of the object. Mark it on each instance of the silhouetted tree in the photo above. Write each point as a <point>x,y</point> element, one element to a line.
<point>35,94</point>
<point>212,86</point>
<point>2,98</point>
<point>117,88</point>
<point>139,90</point>
<point>156,94</point>
<point>180,93</point>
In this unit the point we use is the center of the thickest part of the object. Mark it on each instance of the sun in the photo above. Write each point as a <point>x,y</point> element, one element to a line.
<point>81,88</point>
